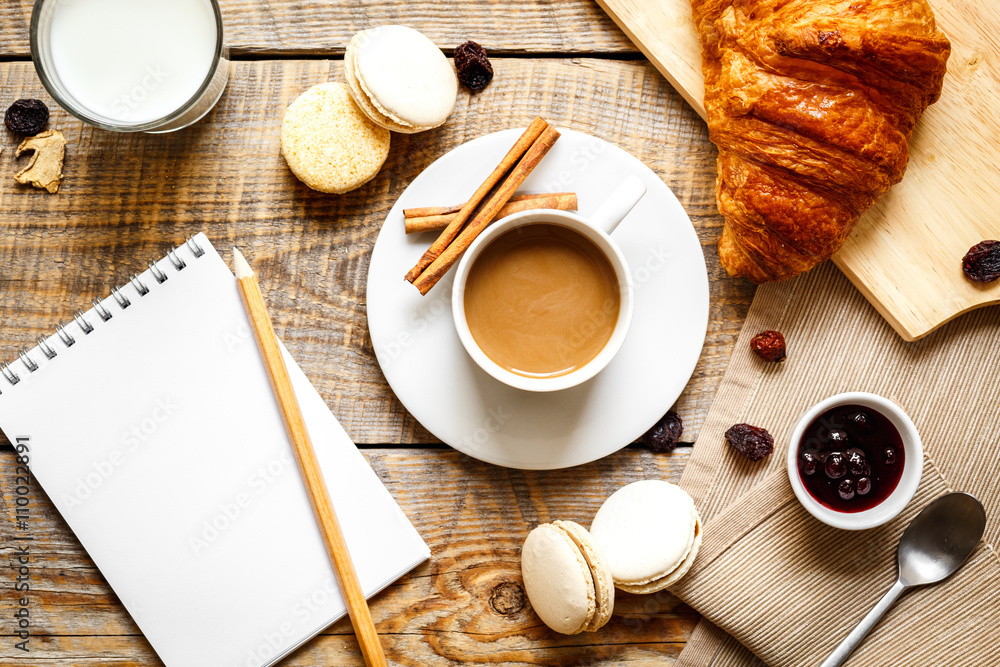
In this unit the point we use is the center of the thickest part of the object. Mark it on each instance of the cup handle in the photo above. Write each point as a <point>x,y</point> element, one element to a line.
<point>619,204</point>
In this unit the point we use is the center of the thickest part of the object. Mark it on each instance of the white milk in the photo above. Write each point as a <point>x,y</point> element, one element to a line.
<point>133,61</point>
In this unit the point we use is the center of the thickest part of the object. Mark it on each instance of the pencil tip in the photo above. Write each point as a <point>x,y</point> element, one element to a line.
<point>243,269</point>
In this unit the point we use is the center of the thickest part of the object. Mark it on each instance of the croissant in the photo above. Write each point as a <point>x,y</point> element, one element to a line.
<point>811,104</point>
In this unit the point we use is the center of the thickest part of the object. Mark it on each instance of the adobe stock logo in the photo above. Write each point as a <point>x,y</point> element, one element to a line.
<point>129,101</point>
<point>228,512</point>
<point>493,422</point>
<point>431,308</point>
<point>581,160</point>
<point>132,442</point>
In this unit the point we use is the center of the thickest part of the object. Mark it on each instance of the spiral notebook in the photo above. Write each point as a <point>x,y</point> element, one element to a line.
<point>150,423</point>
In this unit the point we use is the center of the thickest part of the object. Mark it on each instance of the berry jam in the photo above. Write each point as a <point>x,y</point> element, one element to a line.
<point>851,458</point>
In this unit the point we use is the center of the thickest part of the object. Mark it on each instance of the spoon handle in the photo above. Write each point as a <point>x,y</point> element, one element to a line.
<point>862,629</point>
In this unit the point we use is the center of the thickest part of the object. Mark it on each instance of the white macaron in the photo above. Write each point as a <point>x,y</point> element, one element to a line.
<point>567,578</point>
<point>400,78</point>
<point>650,534</point>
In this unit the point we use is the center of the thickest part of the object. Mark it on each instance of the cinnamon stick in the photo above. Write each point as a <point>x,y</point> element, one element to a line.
<point>487,212</point>
<point>519,149</point>
<point>427,211</point>
<point>436,218</point>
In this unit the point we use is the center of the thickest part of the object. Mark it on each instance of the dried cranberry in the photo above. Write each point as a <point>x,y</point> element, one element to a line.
<point>863,486</point>
<point>752,442</point>
<point>27,117</point>
<point>846,489</point>
<point>982,263</point>
<point>769,345</point>
<point>861,422</point>
<point>857,463</point>
<point>889,456</point>
<point>836,465</point>
<point>810,464</point>
<point>474,69</point>
<point>665,435</point>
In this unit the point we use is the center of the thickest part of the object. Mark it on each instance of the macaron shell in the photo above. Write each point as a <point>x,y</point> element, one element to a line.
<point>604,585</point>
<point>675,576</point>
<point>557,580</point>
<point>361,97</point>
<point>328,143</point>
<point>646,530</point>
<point>406,76</point>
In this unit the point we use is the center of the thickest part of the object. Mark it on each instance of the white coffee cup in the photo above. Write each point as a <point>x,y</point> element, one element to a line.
<point>597,228</point>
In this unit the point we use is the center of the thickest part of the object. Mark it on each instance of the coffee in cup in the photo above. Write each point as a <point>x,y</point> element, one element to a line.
<point>542,300</point>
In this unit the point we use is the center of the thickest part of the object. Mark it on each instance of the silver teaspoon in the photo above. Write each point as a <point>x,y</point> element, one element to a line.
<point>933,547</point>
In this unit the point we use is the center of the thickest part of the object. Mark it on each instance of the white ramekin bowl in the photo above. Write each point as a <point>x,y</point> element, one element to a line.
<point>913,465</point>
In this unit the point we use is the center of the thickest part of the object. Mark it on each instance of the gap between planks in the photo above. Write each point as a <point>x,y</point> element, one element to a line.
<point>248,55</point>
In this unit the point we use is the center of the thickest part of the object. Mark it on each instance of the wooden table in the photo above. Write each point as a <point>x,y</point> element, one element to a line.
<point>128,198</point>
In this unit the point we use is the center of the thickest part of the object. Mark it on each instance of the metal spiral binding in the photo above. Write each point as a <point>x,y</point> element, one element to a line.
<point>28,362</point>
<point>122,300</point>
<point>178,263</point>
<point>103,312</point>
<point>193,246</point>
<point>160,276</point>
<point>47,350</point>
<point>67,340</point>
<point>139,286</point>
<point>9,374</point>
<point>85,326</point>
<point>82,322</point>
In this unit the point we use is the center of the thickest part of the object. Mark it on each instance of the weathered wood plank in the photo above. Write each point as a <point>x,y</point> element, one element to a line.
<point>127,198</point>
<point>309,27</point>
<point>338,649</point>
<point>449,611</point>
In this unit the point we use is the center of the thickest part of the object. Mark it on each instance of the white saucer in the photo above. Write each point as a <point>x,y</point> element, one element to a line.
<point>435,379</point>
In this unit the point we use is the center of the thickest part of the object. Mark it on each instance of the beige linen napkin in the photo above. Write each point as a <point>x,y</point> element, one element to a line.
<point>788,587</point>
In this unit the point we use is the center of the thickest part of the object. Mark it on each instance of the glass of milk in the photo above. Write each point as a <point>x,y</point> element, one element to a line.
<point>131,65</point>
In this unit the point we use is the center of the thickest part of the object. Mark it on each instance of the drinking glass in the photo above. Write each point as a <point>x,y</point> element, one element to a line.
<point>124,98</point>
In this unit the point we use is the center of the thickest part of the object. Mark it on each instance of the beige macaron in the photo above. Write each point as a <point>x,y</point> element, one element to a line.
<point>328,143</point>
<point>650,533</point>
<point>567,578</point>
<point>400,79</point>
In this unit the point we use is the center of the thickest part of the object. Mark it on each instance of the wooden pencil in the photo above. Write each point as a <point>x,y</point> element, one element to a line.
<point>336,546</point>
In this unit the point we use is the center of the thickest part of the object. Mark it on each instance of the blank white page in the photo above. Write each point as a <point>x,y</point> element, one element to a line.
<point>159,440</point>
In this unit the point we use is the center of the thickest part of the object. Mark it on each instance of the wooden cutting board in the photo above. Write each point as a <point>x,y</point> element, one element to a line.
<point>905,255</point>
